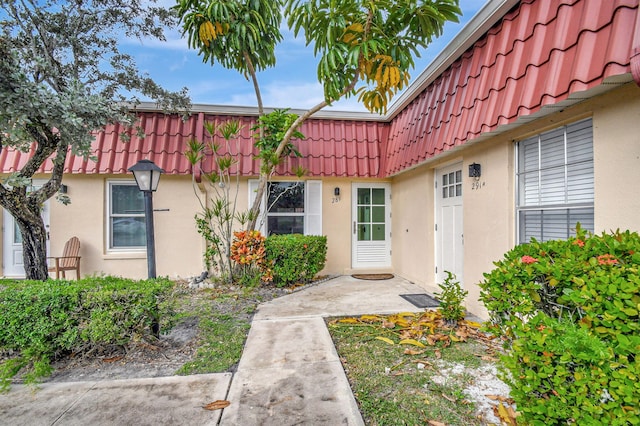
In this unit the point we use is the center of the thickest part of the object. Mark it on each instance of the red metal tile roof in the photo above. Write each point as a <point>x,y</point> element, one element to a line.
<point>331,148</point>
<point>539,54</point>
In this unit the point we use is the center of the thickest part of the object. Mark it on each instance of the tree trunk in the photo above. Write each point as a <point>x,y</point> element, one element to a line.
<point>255,209</point>
<point>34,247</point>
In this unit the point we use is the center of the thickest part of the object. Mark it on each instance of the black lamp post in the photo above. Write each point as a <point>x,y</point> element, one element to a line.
<point>147,176</point>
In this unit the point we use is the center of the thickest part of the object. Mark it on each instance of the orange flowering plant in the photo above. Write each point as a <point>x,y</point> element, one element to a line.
<point>249,253</point>
<point>568,312</point>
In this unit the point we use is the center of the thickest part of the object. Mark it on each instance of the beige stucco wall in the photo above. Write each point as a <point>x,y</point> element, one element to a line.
<point>616,131</point>
<point>178,246</point>
<point>413,226</point>
<point>488,213</point>
<point>336,225</point>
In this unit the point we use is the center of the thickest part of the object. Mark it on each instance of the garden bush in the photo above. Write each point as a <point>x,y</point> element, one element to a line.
<point>295,258</point>
<point>249,255</point>
<point>41,321</point>
<point>568,314</point>
<point>451,299</point>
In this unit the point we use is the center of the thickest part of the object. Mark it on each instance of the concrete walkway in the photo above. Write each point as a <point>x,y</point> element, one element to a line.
<point>289,373</point>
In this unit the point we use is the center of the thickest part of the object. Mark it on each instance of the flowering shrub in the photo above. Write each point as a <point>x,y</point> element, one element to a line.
<point>568,314</point>
<point>249,253</point>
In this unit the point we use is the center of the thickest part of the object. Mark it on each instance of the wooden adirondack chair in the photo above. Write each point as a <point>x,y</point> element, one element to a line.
<point>69,261</point>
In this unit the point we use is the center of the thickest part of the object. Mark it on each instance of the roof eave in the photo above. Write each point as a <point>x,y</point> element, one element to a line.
<point>249,111</point>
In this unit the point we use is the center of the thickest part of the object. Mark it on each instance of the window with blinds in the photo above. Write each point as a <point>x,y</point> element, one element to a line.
<point>555,182</point>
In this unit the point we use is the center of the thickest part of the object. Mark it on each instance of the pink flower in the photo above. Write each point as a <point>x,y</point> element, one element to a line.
<point>607,259</point>
<point>528,259</point>
<point>578,243</point>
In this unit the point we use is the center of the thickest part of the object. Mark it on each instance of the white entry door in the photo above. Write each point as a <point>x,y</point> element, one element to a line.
<point>12,243</point>
<point>371,230</point>
<point>449,231</point>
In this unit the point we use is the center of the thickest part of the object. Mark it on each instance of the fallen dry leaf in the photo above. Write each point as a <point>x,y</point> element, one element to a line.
<point>500,398</point>
<point>217,405</point>
<point>385,339</point>
<point>113,359</point>
<point>435,423</point>
<point>413,342</point>
<point>448,398</point>
<point>506,414</point>
<point>388,324</point>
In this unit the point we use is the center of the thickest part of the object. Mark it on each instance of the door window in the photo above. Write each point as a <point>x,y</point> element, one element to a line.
<point>371,216</point>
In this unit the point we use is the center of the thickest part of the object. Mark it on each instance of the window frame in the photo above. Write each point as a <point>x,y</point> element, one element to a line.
<point>109,215</point>
<point>301,214</point>
<point>312,205</point>
<point>567,206</point>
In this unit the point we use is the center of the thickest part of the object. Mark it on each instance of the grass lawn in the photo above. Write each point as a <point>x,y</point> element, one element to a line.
<point>406,370</point>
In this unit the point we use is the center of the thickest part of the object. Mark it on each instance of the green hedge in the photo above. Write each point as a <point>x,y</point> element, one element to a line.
<point>44,320</point>
<point>568,312</point>
<point>295,258</point>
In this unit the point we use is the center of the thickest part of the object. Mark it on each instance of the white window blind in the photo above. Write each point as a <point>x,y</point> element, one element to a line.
<point>555,182</point>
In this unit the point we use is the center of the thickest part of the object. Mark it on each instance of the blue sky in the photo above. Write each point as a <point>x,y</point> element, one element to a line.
<point>291,84</point>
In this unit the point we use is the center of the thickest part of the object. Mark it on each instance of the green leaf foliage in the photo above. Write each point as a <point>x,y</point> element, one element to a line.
<point>245,35</point>
<point>451,299</point>
<point>295,258</point>
<point>347,35</point>
<point>273,127</point>
<point>568,313</point>
<point>41,321</point>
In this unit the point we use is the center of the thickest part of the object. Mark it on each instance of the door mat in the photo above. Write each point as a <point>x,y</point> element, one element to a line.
<point>421,300</point>
<point>373,276</point>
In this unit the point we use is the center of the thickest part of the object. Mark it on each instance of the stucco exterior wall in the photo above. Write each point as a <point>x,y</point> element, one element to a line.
<point>487,217</point>
<point>178,246</point>
<point>413,226</point>
<point>336,219</point>
<point>488,213</point>
<point>616,131</point>
<point>336,225</point>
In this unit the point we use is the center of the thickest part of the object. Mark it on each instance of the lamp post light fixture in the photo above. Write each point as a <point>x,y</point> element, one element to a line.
<point>147,176</point>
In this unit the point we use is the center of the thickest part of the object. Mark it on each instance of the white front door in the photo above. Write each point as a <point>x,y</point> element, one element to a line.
<point>449,233</point>
<point>371,231</point>
<point>12,257</point>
